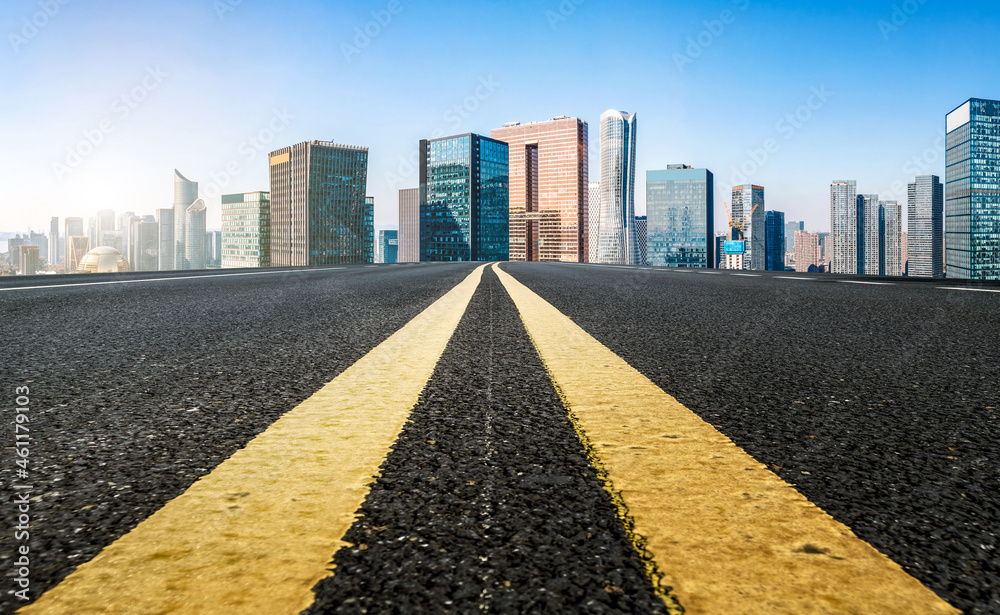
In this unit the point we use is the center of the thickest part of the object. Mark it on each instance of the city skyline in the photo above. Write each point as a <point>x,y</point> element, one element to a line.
<point>219,140</point>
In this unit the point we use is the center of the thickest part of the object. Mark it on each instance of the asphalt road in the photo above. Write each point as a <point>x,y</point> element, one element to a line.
<point>879,403</point>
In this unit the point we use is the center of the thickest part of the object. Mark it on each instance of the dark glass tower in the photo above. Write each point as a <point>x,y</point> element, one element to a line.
<point>464,204</point>
<point>774,240</point>
<point>972,191</point>
<point>680,224</point>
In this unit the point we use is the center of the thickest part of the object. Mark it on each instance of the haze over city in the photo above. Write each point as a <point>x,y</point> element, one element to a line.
<point>105,100</point>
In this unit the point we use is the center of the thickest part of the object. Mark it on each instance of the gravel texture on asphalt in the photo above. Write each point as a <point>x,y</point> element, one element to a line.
<point>879,403</point>
<point>137,390</point>
<point>487,502</point>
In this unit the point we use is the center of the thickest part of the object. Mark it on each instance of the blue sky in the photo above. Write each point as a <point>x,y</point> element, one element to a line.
<point>103,100</point>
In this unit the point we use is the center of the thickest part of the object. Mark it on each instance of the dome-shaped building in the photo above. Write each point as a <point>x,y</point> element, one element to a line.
<point>103,259</point>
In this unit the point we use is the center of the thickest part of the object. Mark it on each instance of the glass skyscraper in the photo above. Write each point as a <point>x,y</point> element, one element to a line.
<point>774,241</point>
<point>748,207</point>
<point>246,230</point>
<point>972,191</point>
<point>319,213</point>
<point>389,246</point>
<point>185,194</point>
<point>618,244</point>
<point>843,226</point>
<point>680,205</point>
<point>464,199</point>
<point>925,227</point>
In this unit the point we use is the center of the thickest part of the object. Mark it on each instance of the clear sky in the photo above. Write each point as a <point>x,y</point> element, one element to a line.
<point>102,100</point>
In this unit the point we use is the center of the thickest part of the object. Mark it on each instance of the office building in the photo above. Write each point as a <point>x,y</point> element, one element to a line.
<point>869,238</point>
<point>593,220</point>
<point>720,250</point>
<point>92,230</point>
<point>144,248</point>
<point>246,230</point>
<point>548,189</point>
<point>747,210</point>
<point>806,251</point>
<point>774,241</point>
<point>388,246</point>
<point>409,225</point>
<point>972,191</point>
<point>28,259</point>
<point>194,243</point>
<point>53,252</point>
<point>790,228</point>
<point>73,227</point>
<point>890,238</point>
<point>464,205</point>
<point>642,238</point>
<point>105,222</point>
<point>617,243</point>
<point>76,248</point>
<point>906,255</point>
<point>824,249</point>
<point>113,239</point>
<point>213,249</point>
<point>843,226</point>
<point>185,194</point>
<point>165,239</point>
<point>680,206</point>
<point>925,227</point>
<point>319,215</point>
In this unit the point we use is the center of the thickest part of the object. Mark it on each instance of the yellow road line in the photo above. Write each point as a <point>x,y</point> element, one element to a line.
<point>728,534</point>
<point>257,533</point>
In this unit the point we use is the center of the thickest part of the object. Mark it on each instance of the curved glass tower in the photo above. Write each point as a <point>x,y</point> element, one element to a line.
<point>185,193</point>
<point>617,237</point>
<point>194,242</point>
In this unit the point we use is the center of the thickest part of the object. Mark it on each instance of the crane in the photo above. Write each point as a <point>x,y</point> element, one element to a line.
<point>741,225</point>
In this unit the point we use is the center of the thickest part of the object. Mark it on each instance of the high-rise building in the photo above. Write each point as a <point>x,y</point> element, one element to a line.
<point>548,189</point>
<point>843,226</point>
<point>824,249</point>
<point>76,248</point>
<point>906,255</point>
<point>53,252</point>
<point>368,226</point>
<point>790,228</point>
<point>246,230</point>
<point>28,259</point>
<point>642,238</point>
<point>113,239</point>
<point>388,246</point>
<point>194,243</point>
<point>890,238</point>
<point>143,249</point>
<point>720,250</point>
<point>774,241</point>
<point>92,230</point>
<point>165,239</point>
<point>409,225</point>
<point>748,210</point>
<point>593,220</point>
<point>213,248</point>
<point>972,191</point>
<point>925,227</point>
<point>105,222</point>
<point>680,206</point>
<point>806,251</point>
<point>617,240</point>
<point>869,239</point>
<point>185,194</point>
<point>73,227</point>
<point>464,205</point>
<point>318,211</point>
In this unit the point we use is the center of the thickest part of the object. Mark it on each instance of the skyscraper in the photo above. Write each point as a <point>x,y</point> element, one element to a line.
<point>53,251</point>
<point>185,194</point>
<point>869,239</point>
<point>748,208</point>
<point>790,228</point>
<point>246,230</point>
<point>891,238</point>
<point>213,248</point>
<point>194,242</point>
<point>680,206</point>
<point>925,227</point>
<point>972,191</point>
<point>73,228</point>
<point>806,251</point>
<point>28,259</point>
<point>409,225</point>
<point>143,249</point>
<point>165,239</point>
<point>318,211</point>
<point>642,238</point>
<point>843,226</point>
<point>76,248</point>
<point>464,205</point>
<point>593,220</point>
<point>389,246</point>
<point>617,240</point>
<point>774,241</point>
<point>548,189</point>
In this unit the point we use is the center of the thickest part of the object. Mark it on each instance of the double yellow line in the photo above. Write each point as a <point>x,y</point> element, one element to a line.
<point>257,533</point>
